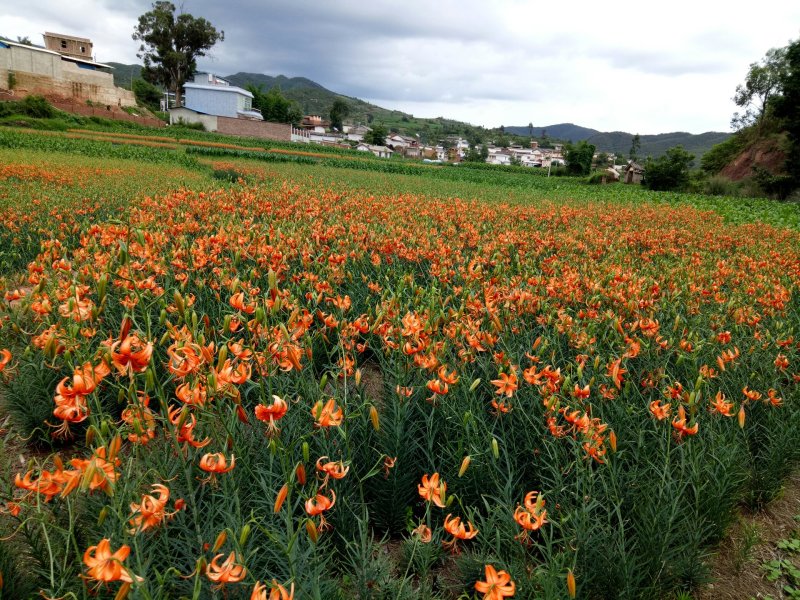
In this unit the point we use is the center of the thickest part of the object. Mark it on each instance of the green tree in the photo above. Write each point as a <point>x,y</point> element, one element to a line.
<point>339,112</point>
<point>636,144</point>
<point>147,94</point>
<point>170,45</point>
<point>787,108</point>
<point>376,135</point>
<point>763,82</point>
<point>579,157</point>
<point>668,172</point>
<point>274,106</point>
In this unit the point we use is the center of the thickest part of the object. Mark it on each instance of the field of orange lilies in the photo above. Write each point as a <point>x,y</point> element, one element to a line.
<point>294,390</point>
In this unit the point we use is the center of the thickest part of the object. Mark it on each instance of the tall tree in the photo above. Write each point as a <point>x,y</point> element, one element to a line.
<point>763,81</point>
<point>636,144</point>
<point>170,45</point>
<point>668,172</point>
<point>579,158</point>
<point>376,135</point>
<point>787,108</point>
<point>339,112</point>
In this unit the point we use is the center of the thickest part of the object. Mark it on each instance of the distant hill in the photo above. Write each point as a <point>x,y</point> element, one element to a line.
<point>125,74</point>
<point>619,142</point>
<point>314,98</point>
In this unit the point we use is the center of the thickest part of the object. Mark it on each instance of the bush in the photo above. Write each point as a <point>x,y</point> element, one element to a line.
<point>721,186</point>
<point>721,154</point>
<point>36,106</point>
<point>147,94</point>
<point>669,172</point>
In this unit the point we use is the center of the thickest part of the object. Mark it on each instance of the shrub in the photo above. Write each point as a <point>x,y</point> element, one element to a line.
<point>669,172</point>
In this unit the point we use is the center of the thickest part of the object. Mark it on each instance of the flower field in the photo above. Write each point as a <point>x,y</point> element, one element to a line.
<point>314,385</point>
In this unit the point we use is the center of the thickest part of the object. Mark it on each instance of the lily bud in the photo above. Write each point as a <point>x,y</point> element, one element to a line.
<point>373,416</point>
<point>741,417</point>
<point>571,589</point>
<point>311,529</point>
<point>244,535</point>
<point>123,591</point>
<point>281,498</point>
<point>475,384</point>
<point>464,465</point>
<point>221,538</point>
<point>300,473</point>
<point>495,448</point>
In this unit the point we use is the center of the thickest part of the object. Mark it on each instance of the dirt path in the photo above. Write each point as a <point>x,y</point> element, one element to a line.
<point>770,536</point>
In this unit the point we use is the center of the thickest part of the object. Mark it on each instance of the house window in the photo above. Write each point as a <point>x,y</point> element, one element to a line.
<point>64,44</point>
<point>83,49</point>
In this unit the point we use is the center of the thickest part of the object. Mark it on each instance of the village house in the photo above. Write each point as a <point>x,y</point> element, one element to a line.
<point>65,68</point>
<point>225,108</point>
<point>379,151</point>
<point>634,172</point>
<point>212,95</point>
<point>356,133</point>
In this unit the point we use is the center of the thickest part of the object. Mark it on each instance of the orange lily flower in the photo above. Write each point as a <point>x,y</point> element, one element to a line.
<point>104,566</point>
<point>227,572</point>
<point>328,415</point>
<point>276,592</point>
<point>130,354</point>
<point>320,503</point>
<point>272,413</point>
<point>432,490</point>
<point>660,411</point>
<point>216,464</point>
<point>506,384</point>
<point>721,406</point>
<point>151,511</point>
<point>335,470</point>
<point>459,531</point>
<point>5,358</point>
<point>498,585</point>
<point>679,424</point>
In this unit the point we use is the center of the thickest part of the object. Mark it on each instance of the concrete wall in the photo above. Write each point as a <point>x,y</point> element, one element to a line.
<point>37,72</point>
<point>258,129</point>
<point>189,116</point>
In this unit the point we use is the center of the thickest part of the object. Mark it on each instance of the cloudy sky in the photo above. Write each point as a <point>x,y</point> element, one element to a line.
<point>647,67</point>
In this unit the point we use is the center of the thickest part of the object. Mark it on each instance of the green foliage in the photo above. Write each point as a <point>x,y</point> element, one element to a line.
<point>722,154</point>
<point>773,185</point>
<point>274,106</point>
<point>339,112</point>
<point>787,108</point>
<point>147,94</point>
<point>37,106</point>
<point>170,45</point>
<point>764,80</point>
<point>669,172</point>
<point>376,135</point>
<point>579,158</point>
<point>636,145</point>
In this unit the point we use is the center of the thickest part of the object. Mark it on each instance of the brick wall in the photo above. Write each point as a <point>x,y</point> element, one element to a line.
<point>258,129</point>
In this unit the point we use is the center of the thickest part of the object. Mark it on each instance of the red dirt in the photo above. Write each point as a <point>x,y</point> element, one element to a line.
<point>765,153</point>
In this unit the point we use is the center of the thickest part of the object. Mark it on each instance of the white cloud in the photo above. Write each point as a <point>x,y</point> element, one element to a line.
<point>647,67</point>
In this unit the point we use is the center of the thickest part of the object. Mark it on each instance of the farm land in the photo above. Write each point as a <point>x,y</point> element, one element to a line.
<point>237,370</point>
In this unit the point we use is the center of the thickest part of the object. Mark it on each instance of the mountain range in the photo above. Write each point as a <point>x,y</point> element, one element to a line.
<point>619,142</point>
<point>314,98</point>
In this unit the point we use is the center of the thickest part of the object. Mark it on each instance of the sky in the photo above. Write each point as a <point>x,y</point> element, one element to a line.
<point>644,67</point>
